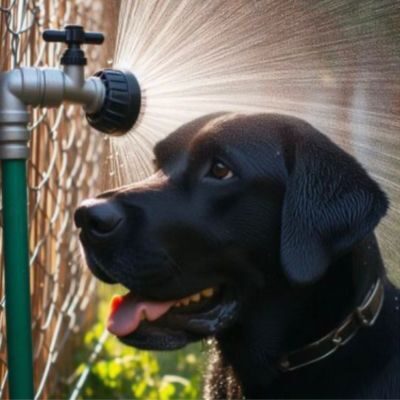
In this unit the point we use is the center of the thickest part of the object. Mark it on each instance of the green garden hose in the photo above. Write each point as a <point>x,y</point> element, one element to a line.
<point>17,283</point>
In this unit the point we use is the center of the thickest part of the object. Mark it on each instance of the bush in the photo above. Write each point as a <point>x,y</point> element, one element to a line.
<point>124,372</point>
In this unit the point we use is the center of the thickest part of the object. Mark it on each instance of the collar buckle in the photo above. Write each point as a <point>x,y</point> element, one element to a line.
<point>368,312</point>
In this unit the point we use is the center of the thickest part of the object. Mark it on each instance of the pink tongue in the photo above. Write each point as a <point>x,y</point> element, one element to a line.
<point>126,312</point>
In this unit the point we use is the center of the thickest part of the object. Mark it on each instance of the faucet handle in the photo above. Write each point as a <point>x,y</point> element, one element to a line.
<point>73,36</point>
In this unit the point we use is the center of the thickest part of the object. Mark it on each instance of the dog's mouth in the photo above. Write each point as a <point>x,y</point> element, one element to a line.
<point>146,323</point>
<point>171,324</point>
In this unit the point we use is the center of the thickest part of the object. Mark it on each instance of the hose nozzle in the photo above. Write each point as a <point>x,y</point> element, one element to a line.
<point>121,105</point>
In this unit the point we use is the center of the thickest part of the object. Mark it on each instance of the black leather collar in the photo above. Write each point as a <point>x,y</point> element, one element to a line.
<point>363,316</point>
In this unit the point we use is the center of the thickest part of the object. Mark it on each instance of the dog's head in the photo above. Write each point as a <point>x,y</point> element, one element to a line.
<point>237,203</point>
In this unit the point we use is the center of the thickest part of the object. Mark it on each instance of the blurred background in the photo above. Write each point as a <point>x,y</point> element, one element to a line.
<point>333,62</point>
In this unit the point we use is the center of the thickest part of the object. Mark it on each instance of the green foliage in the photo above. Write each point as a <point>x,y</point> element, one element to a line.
<point>124,372</point>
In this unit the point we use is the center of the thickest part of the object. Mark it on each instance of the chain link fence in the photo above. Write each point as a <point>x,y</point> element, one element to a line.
<point>64,167</point>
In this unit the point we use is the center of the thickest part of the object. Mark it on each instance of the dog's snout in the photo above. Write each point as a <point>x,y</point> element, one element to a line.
<point>99,219</point>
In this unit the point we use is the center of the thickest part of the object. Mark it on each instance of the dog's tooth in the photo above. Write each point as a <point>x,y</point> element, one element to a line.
<point>178,304</point>
<point>208,292</point>
<point>142,316</point>
<point>185,301</point>
<point>195,297</point>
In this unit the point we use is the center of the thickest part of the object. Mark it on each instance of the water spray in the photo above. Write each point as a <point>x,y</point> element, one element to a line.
<point>111,100</point>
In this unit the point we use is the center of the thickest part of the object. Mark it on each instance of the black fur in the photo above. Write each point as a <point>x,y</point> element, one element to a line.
<point>290,234</point>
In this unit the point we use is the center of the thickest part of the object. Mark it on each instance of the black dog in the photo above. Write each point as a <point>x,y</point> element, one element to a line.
<point>256,230</point>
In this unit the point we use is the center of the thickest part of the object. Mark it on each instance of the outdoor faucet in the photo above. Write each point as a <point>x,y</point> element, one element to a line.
<point>111,98</point>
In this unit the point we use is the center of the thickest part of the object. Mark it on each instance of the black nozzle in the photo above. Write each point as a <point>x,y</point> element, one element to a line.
<point>122,101</point>
<point>74,36</point>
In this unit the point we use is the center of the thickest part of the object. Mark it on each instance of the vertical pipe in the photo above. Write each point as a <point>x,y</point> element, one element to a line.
<point>17,285</point>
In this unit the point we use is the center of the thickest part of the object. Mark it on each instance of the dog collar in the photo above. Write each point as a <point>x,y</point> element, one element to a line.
<point>363,316</point>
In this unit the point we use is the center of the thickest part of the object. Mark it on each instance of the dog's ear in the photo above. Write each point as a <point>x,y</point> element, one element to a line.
<point>330,203</point>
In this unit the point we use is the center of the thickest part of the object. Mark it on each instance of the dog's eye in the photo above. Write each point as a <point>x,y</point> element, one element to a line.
<point>220,171</point>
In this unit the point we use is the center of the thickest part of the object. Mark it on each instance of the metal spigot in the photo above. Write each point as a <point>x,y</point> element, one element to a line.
<point>111,98</point>
<point>122,99</point>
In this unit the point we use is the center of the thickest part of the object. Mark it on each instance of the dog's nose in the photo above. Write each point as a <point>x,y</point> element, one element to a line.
<point>99,219</point>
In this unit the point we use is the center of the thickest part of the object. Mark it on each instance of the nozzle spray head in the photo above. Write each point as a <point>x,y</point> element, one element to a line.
<point>121,105</point>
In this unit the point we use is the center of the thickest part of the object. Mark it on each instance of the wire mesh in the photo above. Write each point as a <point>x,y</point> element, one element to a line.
<point>63,168</point>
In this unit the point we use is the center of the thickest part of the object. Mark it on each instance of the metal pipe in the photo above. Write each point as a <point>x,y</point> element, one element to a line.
<point>50,87</point>
<point>14,119</point>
